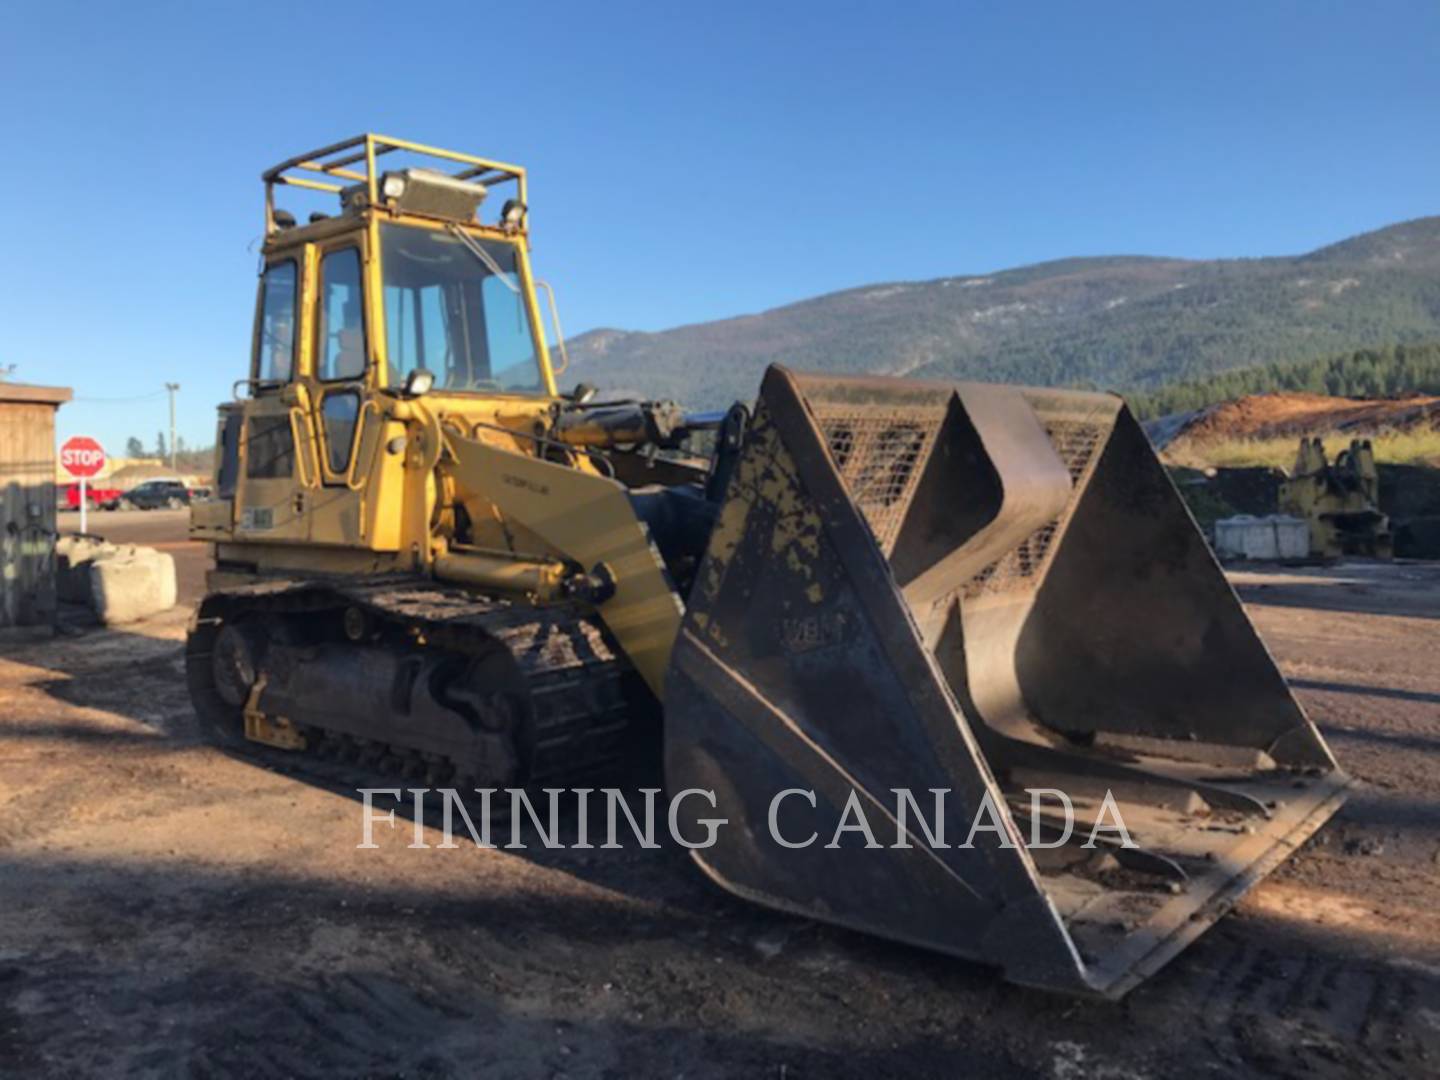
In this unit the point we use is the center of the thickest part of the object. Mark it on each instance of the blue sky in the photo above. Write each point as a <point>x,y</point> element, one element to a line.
<point>688,162</point>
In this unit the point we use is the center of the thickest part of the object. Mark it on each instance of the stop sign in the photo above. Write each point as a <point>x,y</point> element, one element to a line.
<point>82,456</point>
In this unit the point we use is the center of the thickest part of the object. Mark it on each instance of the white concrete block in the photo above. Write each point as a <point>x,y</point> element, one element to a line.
<point>132,584</point>
<point>73,556</point>
<point>1276,537</point>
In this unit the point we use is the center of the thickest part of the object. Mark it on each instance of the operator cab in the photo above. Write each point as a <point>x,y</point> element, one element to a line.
<point>410,274</point>
<point>402,285</point>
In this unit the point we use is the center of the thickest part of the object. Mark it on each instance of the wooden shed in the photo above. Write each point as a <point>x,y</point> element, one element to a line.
<point>27,503</point>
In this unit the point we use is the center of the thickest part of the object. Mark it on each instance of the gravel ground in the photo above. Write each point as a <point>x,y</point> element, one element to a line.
<point>169,910</point>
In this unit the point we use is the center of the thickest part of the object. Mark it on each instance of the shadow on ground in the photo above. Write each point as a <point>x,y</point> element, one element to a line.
<point>1373,588</point>
<point>638,966</point>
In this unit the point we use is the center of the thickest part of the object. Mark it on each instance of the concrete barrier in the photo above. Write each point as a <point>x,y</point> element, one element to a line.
<point>126,588</point>
<point>120,583</point>
<point>73,556</point>
<point>1275,537</point>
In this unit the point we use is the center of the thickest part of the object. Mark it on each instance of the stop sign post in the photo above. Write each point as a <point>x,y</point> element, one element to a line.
<point>82,457</point>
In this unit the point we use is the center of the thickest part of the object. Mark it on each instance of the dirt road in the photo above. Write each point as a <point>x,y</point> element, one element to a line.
<point>166,910</point>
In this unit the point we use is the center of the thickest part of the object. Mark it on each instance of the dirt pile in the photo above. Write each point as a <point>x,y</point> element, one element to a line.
<point>1268,416</point>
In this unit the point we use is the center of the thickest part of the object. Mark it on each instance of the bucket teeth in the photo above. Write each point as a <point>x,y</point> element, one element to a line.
<point>994,593</point>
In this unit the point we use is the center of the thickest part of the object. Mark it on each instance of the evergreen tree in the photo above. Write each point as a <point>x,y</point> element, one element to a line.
<point>1388,371</point>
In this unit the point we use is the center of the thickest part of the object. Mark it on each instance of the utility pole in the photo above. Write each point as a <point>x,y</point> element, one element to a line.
<point>172,387</point>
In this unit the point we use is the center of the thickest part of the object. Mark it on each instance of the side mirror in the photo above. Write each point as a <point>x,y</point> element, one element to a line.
<point>419,383</point>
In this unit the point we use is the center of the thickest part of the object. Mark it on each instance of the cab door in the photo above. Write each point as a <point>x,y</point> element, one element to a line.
<point>339,387</point>
<point>273,472</point>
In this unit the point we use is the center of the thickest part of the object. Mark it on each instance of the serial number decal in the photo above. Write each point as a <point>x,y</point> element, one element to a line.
<point>528,485</point>
<point>254,519</point>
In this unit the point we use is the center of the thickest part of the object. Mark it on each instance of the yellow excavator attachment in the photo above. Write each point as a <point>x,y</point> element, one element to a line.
<point>971,593</point>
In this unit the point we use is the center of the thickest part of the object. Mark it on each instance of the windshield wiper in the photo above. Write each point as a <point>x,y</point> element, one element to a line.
<point>478,250</point>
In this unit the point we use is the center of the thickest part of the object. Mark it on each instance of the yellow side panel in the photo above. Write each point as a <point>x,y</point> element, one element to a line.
<point>212,520</point>
<point>385,488</point>
<point>335,517</point>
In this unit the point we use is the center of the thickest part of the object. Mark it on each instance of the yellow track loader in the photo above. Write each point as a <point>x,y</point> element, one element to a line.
<point>1340,502</point>
<point>432,564</point>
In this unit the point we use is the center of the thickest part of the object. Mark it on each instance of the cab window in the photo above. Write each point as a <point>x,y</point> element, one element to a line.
<point>342,317</point>
<point>507,334</point>
<point>275,349</point>
<point>339,413</point>
<point>458,310</point>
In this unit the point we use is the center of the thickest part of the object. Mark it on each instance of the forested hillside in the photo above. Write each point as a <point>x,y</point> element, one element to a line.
<point>1365,373</point>
<point>1128,323</point>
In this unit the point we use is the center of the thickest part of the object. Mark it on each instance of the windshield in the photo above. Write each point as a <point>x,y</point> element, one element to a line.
<point>450,312</point>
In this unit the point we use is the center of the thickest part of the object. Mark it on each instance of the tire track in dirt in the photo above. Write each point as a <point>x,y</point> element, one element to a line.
<point>1269,1012</point>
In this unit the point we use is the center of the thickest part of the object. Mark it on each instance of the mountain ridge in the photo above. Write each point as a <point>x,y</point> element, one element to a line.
<point>1126,322</point>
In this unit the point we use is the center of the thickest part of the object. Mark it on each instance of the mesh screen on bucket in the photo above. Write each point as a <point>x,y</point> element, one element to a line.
<point>1077,442</point>
<point>878,451</point>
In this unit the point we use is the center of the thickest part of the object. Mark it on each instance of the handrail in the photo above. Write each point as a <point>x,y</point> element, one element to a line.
<point>333,162</point>
<point>597,458</point>
<point>559,334</point>
<point>306,466</point>
<point>315,161</point>
<point>369,406</point>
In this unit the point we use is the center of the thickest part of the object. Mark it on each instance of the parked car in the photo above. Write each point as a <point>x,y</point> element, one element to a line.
<point>155,495</point>
<point>67,496</point>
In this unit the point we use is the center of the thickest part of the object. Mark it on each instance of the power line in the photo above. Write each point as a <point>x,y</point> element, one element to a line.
<point>120,400</point>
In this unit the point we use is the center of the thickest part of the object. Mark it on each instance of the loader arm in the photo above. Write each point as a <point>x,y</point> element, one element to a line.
<point>588,520</point>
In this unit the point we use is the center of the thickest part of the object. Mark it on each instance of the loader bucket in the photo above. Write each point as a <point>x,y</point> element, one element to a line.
<point>978,591</point>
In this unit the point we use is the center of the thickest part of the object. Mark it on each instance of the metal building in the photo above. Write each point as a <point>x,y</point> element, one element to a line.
<point>27,503</point>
